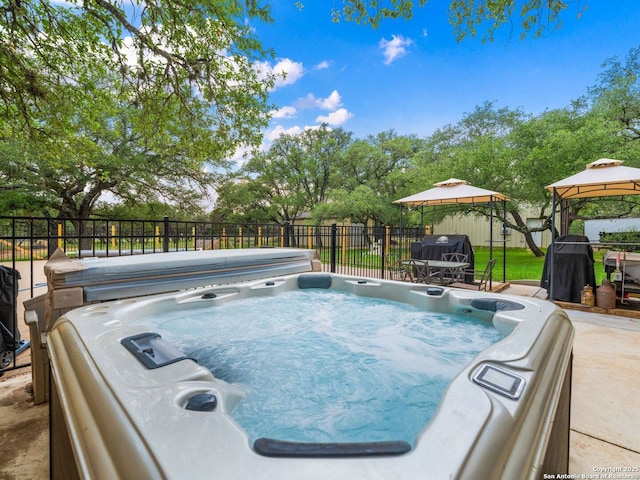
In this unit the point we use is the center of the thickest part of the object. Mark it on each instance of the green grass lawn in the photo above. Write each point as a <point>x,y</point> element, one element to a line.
<point>523,265</point>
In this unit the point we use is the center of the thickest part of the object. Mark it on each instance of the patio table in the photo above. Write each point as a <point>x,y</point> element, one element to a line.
<point>435,271</point>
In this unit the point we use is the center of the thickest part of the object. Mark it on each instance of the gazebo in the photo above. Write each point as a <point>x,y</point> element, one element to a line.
<point>458,192</point>
<point>602,178</point>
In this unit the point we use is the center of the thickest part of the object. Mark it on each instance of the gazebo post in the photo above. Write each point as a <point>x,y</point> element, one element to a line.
<point>504,242</point>
<point>553,241</point>
<point>400,234</point>
<point>491,238</point>
<point>564,217</point>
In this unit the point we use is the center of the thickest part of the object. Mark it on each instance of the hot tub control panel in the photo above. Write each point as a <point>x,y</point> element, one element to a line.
<point>499,381</point>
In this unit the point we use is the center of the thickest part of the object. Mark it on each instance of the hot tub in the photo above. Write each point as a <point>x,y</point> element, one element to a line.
<point>126,402</point>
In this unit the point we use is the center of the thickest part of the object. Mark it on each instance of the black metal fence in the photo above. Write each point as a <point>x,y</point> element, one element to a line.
<point>25,241</point>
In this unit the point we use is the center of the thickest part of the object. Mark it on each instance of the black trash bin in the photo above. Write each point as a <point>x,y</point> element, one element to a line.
<point>10,338</point>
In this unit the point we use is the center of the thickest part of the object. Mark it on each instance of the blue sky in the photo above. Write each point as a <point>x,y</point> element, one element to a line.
<point>414,77</point>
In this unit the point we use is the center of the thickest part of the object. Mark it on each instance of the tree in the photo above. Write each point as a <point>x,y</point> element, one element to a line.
<point>268,191</point>
<point>243,199</point>
<point>603,123</point>
<point>481,148</point>
<point>370,178</point>
<point>489,156</point>
<point>465,16</point>
<point>109,145</point>
<point>150,209</point>
<point>140,100</point>
<point>617,93</point>
<point>159,49</point>
<point>294,175</point>
<point>68,68</point>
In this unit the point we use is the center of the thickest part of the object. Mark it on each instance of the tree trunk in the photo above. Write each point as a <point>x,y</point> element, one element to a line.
<point>522,227</point>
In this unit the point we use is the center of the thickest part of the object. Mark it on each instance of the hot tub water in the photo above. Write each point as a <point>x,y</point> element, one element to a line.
<point>328,366</point>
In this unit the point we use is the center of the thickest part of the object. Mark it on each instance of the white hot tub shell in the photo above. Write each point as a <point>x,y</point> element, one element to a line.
<point>506,415</point>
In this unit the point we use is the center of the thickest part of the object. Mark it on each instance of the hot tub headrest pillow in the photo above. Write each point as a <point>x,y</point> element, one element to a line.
<point>493,305</point>
<point>314,281</point>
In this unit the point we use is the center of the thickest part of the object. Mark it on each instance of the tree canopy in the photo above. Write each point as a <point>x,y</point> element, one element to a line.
<point>140,100</point>
<point>158,50</point>
<point>369,178</point>
<point>294,176</point>
<point>148,100</point>
<point>467,17</point>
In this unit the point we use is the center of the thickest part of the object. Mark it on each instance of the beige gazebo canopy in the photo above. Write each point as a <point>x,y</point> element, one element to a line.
<point>602,178</point>
<point>452,191</point>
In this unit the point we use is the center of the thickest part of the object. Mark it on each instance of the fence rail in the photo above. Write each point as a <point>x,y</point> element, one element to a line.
<point>352,249</point>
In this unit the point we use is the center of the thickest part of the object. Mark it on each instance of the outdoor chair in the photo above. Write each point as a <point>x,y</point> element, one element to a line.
<point>399,269</point>
<point>408,270</point>
<point>393,267</point>
<point>453,275</point>
<point>455,257</point>
<point>482,283</point>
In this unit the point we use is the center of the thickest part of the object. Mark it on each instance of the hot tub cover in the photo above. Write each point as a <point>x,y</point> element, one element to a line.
<point>122,277</point>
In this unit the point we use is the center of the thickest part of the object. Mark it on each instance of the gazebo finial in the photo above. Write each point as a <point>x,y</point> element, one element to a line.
<point>452,182</point>
<point>604,162</point>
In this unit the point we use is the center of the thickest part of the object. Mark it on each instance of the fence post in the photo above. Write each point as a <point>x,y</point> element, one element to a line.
<point>60,244</point>
<point>309,238</point>
<point>285,235</point>
<point>165,239</point>
<point>343,251</point>
<point>79,233</point>
<point>51,239</point>
<point>334,246</point>
<point>384,251</point>
<point>387,237</point>
<point>31,252</point>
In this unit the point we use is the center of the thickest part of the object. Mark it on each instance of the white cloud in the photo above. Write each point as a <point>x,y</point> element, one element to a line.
<point>280,130</point>
<point>273,134</point>
<point>335,118</point>
<point>321,66</point>
<point>394,48</point>
<point>291,70</point>
<point>286,70</point>
<point>333,101</point>
<point>310,101</point>
<point>284,112</point>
